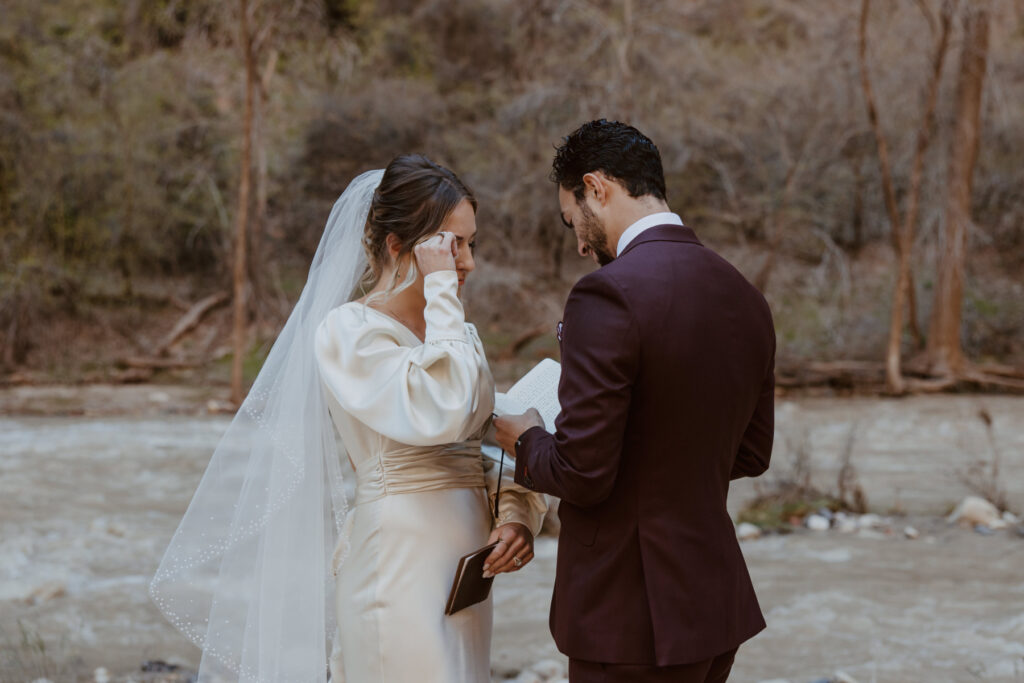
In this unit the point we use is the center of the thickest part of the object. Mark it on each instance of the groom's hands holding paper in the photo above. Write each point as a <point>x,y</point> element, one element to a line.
<point>508,428</point>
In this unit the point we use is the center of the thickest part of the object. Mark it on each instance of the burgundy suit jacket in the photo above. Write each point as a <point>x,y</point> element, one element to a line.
<point>667,394</point>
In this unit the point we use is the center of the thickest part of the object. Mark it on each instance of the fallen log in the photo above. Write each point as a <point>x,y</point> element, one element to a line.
<point>190,321</point>
<point>159,363</point>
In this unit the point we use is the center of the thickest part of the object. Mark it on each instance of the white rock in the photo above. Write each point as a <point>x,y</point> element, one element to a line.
<point>548,668</point>
<point>102,525</point>
<point>846,525</point>
<point>869,521</point>
<point>747,531</point>
<point>215,406</point>
<point>974,510</point>
<point>817,523</point>
<point>528,677</point>
<point>46,591</point>
<point>911,532</point>
<point>159,397</point>
<point>843,677</point>
<point>101,675</point>
<point>1010,518</point>
<point>1007,669</point>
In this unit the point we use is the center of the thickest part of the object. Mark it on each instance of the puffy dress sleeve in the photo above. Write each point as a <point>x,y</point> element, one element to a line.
<point>518,503</point>
<point>419,395</point>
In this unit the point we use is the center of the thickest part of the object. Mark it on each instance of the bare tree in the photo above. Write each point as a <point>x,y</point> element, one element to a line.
<point>240,288</point>
<point>945,352</point>
<point>903,230</point>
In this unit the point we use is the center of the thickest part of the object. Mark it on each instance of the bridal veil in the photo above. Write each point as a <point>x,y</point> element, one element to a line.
<point>246,575</point>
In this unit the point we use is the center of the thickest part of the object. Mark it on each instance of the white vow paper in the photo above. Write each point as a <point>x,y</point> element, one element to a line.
<point>537,389</point>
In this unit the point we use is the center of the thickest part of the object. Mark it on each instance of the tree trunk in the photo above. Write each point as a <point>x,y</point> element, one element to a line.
<point>242,217</point>
<point>945,352</point>
<point>626,72</point>
<point>903,231</point>
<point>893,372</point>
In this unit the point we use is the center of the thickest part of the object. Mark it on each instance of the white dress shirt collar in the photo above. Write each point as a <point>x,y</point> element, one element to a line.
<point>663,218</point>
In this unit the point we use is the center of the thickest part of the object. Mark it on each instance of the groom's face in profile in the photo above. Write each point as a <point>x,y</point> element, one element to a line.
<point>591,236</point>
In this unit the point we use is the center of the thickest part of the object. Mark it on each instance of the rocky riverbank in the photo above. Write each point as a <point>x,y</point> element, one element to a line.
<point>88,501</point>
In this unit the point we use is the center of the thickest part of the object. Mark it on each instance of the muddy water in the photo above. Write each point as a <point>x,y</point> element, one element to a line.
<point>87,506</point>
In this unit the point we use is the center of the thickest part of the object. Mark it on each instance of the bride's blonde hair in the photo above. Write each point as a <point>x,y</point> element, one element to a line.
<point>414,198</point>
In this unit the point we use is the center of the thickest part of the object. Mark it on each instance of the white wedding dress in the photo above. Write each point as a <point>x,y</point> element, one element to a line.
<point>411,415</point>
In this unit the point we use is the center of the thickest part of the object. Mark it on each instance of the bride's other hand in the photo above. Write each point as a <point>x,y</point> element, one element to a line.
<point>436,253</point>
<point>514,551</point>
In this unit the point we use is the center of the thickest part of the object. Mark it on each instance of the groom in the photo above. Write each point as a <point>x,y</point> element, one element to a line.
<point>667,394</point>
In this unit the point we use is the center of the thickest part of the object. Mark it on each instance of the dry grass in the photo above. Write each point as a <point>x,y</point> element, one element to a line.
<point>26,657</point>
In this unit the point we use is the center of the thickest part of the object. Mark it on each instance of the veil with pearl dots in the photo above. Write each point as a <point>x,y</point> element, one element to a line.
<point>246,576</point>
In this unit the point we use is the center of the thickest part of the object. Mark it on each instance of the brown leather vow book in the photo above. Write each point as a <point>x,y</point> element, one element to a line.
<point>470,586</point>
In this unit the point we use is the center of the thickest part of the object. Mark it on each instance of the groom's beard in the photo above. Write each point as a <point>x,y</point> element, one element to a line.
<point>593,234</point>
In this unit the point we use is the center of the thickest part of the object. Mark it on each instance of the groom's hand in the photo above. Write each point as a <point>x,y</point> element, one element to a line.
<point>514,551</point>
<point>508,428</point>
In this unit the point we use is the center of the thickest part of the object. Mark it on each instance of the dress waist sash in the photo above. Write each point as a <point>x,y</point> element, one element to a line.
<point>421,468</point>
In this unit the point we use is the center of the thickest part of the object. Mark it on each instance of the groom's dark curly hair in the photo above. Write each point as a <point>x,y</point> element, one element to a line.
<point>617,149</point>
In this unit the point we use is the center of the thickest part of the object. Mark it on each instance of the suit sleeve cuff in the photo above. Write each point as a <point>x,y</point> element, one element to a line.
<point>525,446</point>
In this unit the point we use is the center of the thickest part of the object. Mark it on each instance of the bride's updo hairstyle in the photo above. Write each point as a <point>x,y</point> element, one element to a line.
<point>414,198</point>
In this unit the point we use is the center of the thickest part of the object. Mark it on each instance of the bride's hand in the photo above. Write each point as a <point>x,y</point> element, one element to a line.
<point>515,542</point>
<point>436,253</point>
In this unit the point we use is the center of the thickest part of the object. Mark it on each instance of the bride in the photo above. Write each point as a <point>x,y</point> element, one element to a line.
<point>378,347</point>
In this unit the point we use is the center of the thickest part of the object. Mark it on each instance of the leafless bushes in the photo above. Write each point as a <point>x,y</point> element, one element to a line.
<point>119,141</point>
<point>982,476</point>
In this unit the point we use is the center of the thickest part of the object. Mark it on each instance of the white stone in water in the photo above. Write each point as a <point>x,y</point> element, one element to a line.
<point>1007,669</point>
<point>869,521</point>
<point>910,532</point>
<point>528,677</point>
<point>973,511</point>
<point>817,523</point>
<point>846,524</point>
<point>101,675</point>
<point>102,525</point>
<point>46,592</point>
<point>747,531</point>
<point>843,677</point>
<point>549,668</point>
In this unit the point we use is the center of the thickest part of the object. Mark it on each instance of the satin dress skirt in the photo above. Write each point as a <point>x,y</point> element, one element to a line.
<point>393,585</point>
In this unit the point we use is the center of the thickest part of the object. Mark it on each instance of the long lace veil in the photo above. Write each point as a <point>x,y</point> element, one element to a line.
<point>246,576</point>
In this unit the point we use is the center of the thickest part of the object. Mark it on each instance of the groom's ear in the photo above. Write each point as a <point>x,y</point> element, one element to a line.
<point>595,185</point>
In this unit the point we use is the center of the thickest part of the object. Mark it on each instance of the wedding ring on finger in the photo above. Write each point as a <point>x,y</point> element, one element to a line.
<point>517,562</point>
